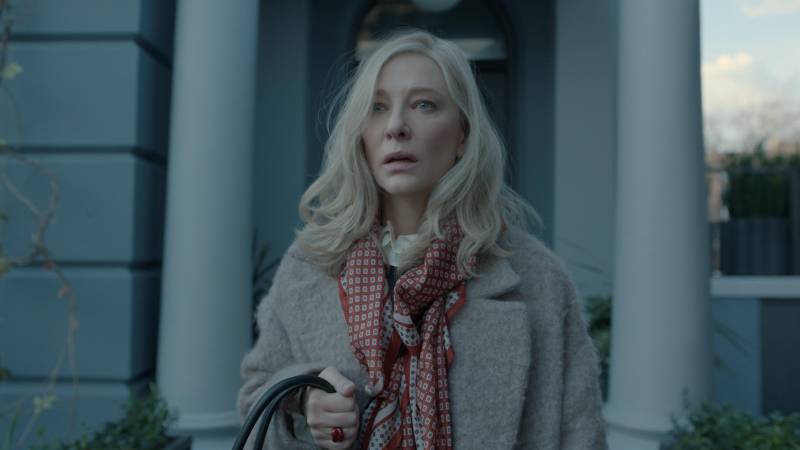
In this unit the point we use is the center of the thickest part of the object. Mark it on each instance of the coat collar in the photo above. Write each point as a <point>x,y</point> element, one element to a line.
<point>494,277</point>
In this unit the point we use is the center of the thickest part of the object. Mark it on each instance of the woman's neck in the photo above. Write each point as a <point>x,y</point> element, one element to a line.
<point>405,213</point>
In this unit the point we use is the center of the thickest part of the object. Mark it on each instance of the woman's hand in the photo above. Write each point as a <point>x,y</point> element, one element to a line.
<point>324,411</point>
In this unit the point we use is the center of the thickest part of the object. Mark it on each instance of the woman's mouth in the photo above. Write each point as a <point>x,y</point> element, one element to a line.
<point>400,160</point>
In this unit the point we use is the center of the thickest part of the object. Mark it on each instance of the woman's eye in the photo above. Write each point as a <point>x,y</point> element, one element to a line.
<point>425,105</point>
<point>378,107</point>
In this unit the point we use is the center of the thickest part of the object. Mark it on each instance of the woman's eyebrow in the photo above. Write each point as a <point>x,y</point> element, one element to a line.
<point>413,90</point>
<point>423,89</point>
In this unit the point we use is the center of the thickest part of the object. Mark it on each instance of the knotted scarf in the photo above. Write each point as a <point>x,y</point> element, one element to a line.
<point>401,339</point>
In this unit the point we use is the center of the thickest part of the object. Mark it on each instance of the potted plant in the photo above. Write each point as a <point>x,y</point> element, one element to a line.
<point>142,427</point>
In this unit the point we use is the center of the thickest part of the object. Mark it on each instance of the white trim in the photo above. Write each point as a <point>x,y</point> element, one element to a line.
<point>193,423</point>
<point>640,425</point>
<point>743,286</point>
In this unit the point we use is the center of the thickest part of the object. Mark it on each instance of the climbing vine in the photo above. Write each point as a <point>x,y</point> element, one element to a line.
<point>23,414</point>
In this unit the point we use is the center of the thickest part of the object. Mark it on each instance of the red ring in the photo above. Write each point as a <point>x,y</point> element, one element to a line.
<point>337,434</point>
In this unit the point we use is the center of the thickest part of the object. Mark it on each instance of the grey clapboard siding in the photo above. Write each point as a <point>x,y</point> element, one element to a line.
<point>110,211</point>
<point>93,104</point>
<point>117,310</point>
<point>87,94</point>
<point>153,93</point>
<point>149,21</point>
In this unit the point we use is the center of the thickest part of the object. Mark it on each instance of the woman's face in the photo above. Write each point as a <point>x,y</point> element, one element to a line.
<point>413,133</point>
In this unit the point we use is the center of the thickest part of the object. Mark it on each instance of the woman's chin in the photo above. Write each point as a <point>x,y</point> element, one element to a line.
<point>403,190</point>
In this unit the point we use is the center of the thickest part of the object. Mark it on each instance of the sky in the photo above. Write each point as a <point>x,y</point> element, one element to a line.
<point>751,64</point>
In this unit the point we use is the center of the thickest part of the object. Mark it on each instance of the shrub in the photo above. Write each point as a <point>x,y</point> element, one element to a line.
<point>143,428</point>
<point>598,309</point>
<point>712,427</point>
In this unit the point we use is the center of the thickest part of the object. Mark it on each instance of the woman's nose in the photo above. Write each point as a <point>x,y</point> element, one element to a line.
<point>397,128</point>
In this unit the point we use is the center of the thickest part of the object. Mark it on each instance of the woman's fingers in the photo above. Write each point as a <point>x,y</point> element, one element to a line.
<point>328,419</point>
<point>319,401</point>
<point>342,384</point>
<point>339,409</point>
<point>323,437</point>
<point>322,434</point>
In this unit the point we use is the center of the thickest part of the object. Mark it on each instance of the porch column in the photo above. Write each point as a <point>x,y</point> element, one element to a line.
<point>661,317</point>
<point>204,326</point>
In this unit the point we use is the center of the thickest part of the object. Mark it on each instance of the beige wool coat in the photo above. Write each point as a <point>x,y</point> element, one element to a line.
<point>525,373</point>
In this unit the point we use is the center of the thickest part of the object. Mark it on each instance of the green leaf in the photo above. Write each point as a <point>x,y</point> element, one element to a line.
<point>11,429</point>
<point>10,71</point>
<point>723,427</point>
<point>42,403</point>
<point>4,372</point>
<point>142,427</point>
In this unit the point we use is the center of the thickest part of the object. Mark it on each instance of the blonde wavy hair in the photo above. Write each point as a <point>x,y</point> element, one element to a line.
<point>343,203</point>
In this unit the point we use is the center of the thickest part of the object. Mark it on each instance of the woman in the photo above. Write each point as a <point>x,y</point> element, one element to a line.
<point>412,286</point>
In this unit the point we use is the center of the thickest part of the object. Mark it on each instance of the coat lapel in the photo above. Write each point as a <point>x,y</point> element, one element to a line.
<point>495,278</point>
<point>489,376</point>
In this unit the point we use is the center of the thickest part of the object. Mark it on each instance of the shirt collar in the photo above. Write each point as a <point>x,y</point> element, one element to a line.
<point>395,247</point>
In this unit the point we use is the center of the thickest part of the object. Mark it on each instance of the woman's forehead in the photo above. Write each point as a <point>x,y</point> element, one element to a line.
<point>421,89</point>
<point>410,72</point>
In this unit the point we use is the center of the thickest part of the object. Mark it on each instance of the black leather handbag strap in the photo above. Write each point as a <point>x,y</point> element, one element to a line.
<point>269,401</point>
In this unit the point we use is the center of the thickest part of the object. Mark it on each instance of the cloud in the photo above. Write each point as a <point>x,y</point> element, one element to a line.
<point>728,63</point>
<point>743,100</point>
<point>732,82</point>
<point>739,80</point>
<point>761,8</point>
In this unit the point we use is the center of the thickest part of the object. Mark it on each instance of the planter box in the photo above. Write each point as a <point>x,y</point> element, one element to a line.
<point>794,214</point>
<point>755,246</point>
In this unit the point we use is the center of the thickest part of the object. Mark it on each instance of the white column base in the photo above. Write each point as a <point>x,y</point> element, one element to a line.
<point>214,441</point>
<point>188,423</point>
<point>618,440</point>
<point>207,431</point>
<point>629,432</point>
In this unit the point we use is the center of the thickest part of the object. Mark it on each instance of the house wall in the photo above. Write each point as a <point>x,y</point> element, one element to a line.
<point>282,131</point>
<point>779,364</point>
<point>302,47</point>
<point>586,141</point>
<point>93,108</point>
<point>531,28</point>
<point>754,339</point>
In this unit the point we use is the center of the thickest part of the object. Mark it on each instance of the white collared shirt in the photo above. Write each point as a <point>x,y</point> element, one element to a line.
<point>394,248</point>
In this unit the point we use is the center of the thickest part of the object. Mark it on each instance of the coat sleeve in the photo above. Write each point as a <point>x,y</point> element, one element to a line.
<point>582,423</point>
<point>271,360</point>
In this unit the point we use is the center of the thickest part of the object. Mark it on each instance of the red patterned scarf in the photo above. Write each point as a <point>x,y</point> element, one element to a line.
<point>402,341</point>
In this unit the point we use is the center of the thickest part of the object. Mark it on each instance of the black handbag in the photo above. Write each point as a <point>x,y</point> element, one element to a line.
<point>269,401</point>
